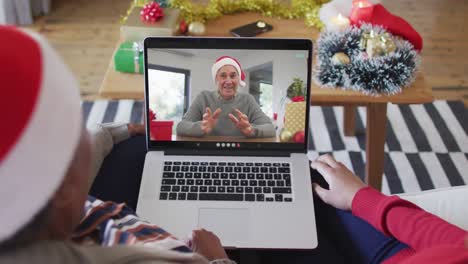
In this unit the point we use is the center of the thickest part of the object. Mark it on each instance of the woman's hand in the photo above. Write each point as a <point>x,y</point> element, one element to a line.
<point>209,120</point>
<point>242,122</point>
<point>343,183</point>
<point>207,244</point>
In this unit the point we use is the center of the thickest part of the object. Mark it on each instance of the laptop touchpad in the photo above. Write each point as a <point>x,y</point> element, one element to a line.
<point>229,224</point>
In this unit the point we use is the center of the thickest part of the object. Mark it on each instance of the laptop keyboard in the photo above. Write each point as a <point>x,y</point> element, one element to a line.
<point>226,181</point>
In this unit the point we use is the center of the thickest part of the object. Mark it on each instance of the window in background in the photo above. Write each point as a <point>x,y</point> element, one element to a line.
<point>168,92</point>
<point>261,86</point>
<point>266,98</point>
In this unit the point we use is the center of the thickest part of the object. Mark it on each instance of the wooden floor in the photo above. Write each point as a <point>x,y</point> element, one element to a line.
<point>85,31</point>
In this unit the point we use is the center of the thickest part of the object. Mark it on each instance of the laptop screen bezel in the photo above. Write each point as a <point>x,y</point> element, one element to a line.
<point>227,43</point>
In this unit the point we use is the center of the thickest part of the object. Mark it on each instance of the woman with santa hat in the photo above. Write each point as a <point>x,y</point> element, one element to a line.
<point>225,111</point>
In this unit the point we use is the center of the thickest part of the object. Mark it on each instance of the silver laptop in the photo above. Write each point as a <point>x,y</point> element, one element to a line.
<point>249,184</point>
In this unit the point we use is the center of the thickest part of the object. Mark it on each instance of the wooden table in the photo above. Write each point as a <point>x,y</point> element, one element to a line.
<point>131,86</point>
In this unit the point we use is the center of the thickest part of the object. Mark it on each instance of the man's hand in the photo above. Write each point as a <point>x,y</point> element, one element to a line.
<point>209,120</point>
<point>343,183</point>
<point>136,129</point>
<point>242,122</point>
<point>207,244</point>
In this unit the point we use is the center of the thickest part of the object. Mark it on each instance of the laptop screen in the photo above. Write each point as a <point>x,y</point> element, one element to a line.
<point>227,97</point>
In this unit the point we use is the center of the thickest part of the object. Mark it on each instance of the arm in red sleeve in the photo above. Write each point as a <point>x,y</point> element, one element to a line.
<point>405,221</point>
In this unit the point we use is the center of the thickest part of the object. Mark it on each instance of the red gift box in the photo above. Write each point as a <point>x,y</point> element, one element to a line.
<point>161,130</point>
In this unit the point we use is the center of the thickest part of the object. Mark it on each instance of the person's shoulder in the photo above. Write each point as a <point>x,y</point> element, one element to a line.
<point>48,251</point>
<point>137,254</point>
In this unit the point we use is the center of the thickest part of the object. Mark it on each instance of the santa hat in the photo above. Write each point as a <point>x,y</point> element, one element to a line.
<point>41,126</point>
<point>227,60</point>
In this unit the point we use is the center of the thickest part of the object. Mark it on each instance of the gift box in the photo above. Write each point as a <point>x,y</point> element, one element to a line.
<point>294,118</point>
<point>161,130</point>
<point>136,30</point>
<point>129,58</point>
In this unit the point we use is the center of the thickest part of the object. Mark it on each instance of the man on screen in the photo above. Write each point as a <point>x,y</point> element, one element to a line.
<point>225,111</point>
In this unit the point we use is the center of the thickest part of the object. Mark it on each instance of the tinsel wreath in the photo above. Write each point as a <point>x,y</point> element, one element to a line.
<point>386,74</point>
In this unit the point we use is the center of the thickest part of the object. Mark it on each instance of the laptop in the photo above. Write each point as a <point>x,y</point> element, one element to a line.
<point>253,190</point>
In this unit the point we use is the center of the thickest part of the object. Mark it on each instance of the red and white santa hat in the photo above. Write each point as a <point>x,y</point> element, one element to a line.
<point>227,60</point>
<point>41,126</point>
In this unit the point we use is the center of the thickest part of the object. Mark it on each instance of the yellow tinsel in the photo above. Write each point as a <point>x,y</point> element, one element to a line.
<point>306,9</point>
<point>140,3</point>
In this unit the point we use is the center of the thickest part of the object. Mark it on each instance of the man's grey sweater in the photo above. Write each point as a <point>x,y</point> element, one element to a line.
<point>191,122</point>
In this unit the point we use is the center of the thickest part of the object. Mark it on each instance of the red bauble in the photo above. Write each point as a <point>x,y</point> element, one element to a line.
<point>299,137</point>
<point>151,12</point>
<point>183,27</point>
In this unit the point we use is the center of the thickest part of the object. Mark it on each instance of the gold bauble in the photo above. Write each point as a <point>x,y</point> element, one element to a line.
<point>285,136</point>
<point>340,58</point>
<point>377,44</point>
<point>196,28</point>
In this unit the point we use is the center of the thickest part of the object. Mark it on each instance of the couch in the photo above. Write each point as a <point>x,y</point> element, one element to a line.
<point>451,204</point>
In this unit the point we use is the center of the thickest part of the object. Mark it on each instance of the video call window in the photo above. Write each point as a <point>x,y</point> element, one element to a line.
<point>225,95</point>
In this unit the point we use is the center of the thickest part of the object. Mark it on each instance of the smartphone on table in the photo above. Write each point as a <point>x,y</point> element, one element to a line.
<point>252,29</point>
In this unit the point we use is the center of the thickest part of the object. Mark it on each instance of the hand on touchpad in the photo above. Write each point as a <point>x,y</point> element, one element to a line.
<point>230,225</point>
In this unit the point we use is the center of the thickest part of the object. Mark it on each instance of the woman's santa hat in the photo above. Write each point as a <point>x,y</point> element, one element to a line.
<point>227,60</point>
<point>41,126</point>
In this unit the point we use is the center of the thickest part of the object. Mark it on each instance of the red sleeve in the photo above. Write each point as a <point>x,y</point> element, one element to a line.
<point>405,221</point>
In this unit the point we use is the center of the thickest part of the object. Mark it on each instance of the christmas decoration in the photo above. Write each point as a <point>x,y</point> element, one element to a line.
<point>378,15</point>
<point>333,9</point>
<point>285,136</point>
<point>299,137</point>
<point>151,13</point>
<point>306,9</point>
<point>152,115</point>
<point>376,44</point>
<point>294,116</point>
<point>340,58</point>
<point>196,28</point>
<point>338,23</point>
<point>298,98</point>
<point>133,29</point>
<point>129,57</point>
<point>386,74</point>
<point>161,130</point>
<point>360,8</point>
<point>183,27</point>
<point>141,3</point>
<point>297,88</point>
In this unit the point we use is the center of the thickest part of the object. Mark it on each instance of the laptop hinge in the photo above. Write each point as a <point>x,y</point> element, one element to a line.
<point>251,153</point>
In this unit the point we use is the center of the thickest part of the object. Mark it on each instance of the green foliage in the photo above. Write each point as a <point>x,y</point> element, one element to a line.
<point>296,88</point>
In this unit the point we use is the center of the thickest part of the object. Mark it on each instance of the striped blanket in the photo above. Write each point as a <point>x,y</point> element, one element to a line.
<point>426,145</point>
<point>109,224</point>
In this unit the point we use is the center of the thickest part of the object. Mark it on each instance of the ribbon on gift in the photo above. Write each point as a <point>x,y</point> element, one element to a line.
<point>298,98</point>
<point>137,48</point>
